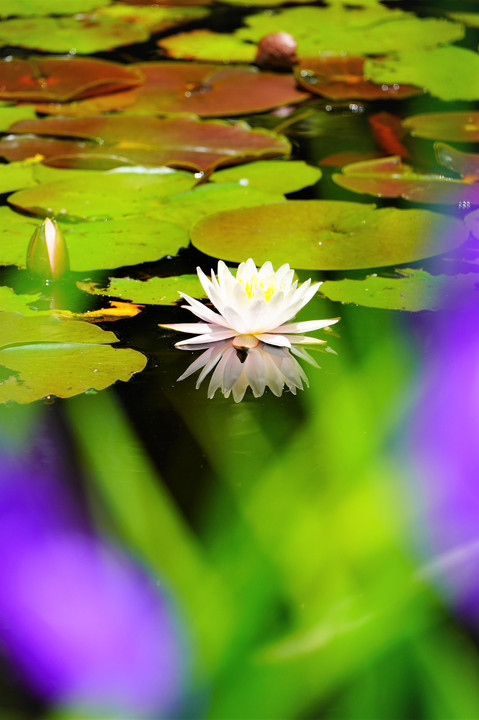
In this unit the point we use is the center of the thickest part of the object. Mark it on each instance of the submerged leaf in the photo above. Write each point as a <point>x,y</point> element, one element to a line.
<point>449,126</point>
<point>449,73</point>
<point>327,234</point>
<point>155,291</point>
<point>46,356</point>
<point>110,141</point>
<point>417,290</point>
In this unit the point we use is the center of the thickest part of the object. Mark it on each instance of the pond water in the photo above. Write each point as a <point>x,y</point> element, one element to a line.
<point>299,554</point>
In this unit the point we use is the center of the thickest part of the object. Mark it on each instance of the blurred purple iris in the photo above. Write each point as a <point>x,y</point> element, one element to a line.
<point>83,623</point>
<point>445,445</point>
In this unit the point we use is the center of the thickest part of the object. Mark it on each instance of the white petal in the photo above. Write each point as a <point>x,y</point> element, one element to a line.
<point>203,312</point>
<point>211,337</point>
<point>193,328</point>
<point>306,326</point>
<point>280,340</point>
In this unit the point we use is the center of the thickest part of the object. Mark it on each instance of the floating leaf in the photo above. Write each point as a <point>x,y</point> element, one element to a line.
<point>103,195</point>
<point>29,8</point>
<point>449,126</point>
<point>389,177</point>
<point>417,290</point>
<point>17,175</point>
<point>152,17</point>
<point>277,176</point>
<point>470,19</point>
<point>211,90</point>
<point>43,356</point>
<point>372,30</point>
<point>91,106</point>
<point>10,114</point>
<point>11,302</point>
<point>61,79</point>
<point>466,164</point>
<point>155,291</point>
<point>208,46</point>
<point>82,34</point>
<point>15,233</point>
<point>117,140</point>
<point>116,311</point>
<point>187,208</point>
<point>342,78</point>
<point>327,234</point>
<point>449,73</point>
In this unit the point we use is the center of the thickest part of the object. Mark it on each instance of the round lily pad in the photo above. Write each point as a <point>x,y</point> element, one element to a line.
<point>17,175</point>
<point>15,233</point>
<point>103,195</point>
<point>12,114</point>
<point>11,302</point>
<point>327,235</point>
<point>449,73</point>
<point>44,356</point>
<point>154,291</point>
<point>153,17</point>
<point>208,46</point>
<point>30,8</point>
<point>449,126</point>
<point>118,140</point>
<point>416,290</point>
<point>210,90</point>
<point>279,176</point>
<point>82,34</point>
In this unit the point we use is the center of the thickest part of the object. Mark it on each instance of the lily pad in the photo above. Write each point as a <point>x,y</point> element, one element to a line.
<point>15,233</point>
<point>10,114</point>
<point>82,34</point>
<point>97,105</point>
<point>337,30</point>
<point>389,177</point>
<point>61,79</point>
<point>153,17</point>
<point>449,73</point>
<point>154,291</point>
<point>11,302</point>
<point>327,235</point>
<point>102,195</point>
<point>30,8</point>
<point>208,46</point>
<point>342,78</point>
<point>466,164</point>
<point>118,140</point>
<point>210,90</point>
<point>470,19</point>
<point>189,207</point>
<point>417,290</point>
<point>278,176</point>
<point>449,126</point>
<point>17,175</point>
<point>45,356</point>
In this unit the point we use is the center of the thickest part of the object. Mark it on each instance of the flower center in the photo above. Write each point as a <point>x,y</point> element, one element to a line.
<point>268,284</point>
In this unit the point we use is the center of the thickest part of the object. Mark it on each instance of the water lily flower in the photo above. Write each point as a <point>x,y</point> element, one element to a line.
<point>253,307</point>
<point>258,367</point>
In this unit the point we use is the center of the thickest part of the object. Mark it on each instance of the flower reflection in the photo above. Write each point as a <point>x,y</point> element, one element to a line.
<point>254,307</point>
<point>259,367</point>
<point>84,624</point>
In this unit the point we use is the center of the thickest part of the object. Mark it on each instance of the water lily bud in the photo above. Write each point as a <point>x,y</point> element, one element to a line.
<point>47,254</point>
<point>277,50</point>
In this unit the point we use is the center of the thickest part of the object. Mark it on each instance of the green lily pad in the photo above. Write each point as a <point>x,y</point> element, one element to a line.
<point>30,8</point>
<point>187,208</point>
<point>449,73</point>
<point>129,241</point>
<point>417,290</point>
<point>327,235</point>
<point>337,30</point>
<point>470,19</point>
<point>102,195</point>
<point>17,175</point>
<point>154,291</point>
<point>389,177</point>
<point>111,141</point>
<point>10,114</point>
<point>61,79</point>
<point>11,302</point>
<point>449,126</point>
<point>82,34</point>
<point>208,46</point>
<point>152,17</point>
<point>277,176</point>
<point>15,233</point>
<point>45,356</point>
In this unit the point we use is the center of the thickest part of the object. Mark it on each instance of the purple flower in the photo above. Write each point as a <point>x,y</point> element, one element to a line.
<point>84,624</point>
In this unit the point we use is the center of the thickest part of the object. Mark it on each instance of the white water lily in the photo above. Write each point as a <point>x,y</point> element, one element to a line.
<point>259,367</point>
<point>255,306</point>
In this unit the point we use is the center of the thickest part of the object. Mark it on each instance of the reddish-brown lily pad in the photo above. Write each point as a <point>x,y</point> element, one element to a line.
<point>80,34</point>
<point>449,126</point>
<point>466,164</point>
<point>114,101</point>
<point>389,177</point>
<point>62,79</point>
<point>327,234</point>
<point>118,140</point>
<point>342,78</point>
<point>211,90</point>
